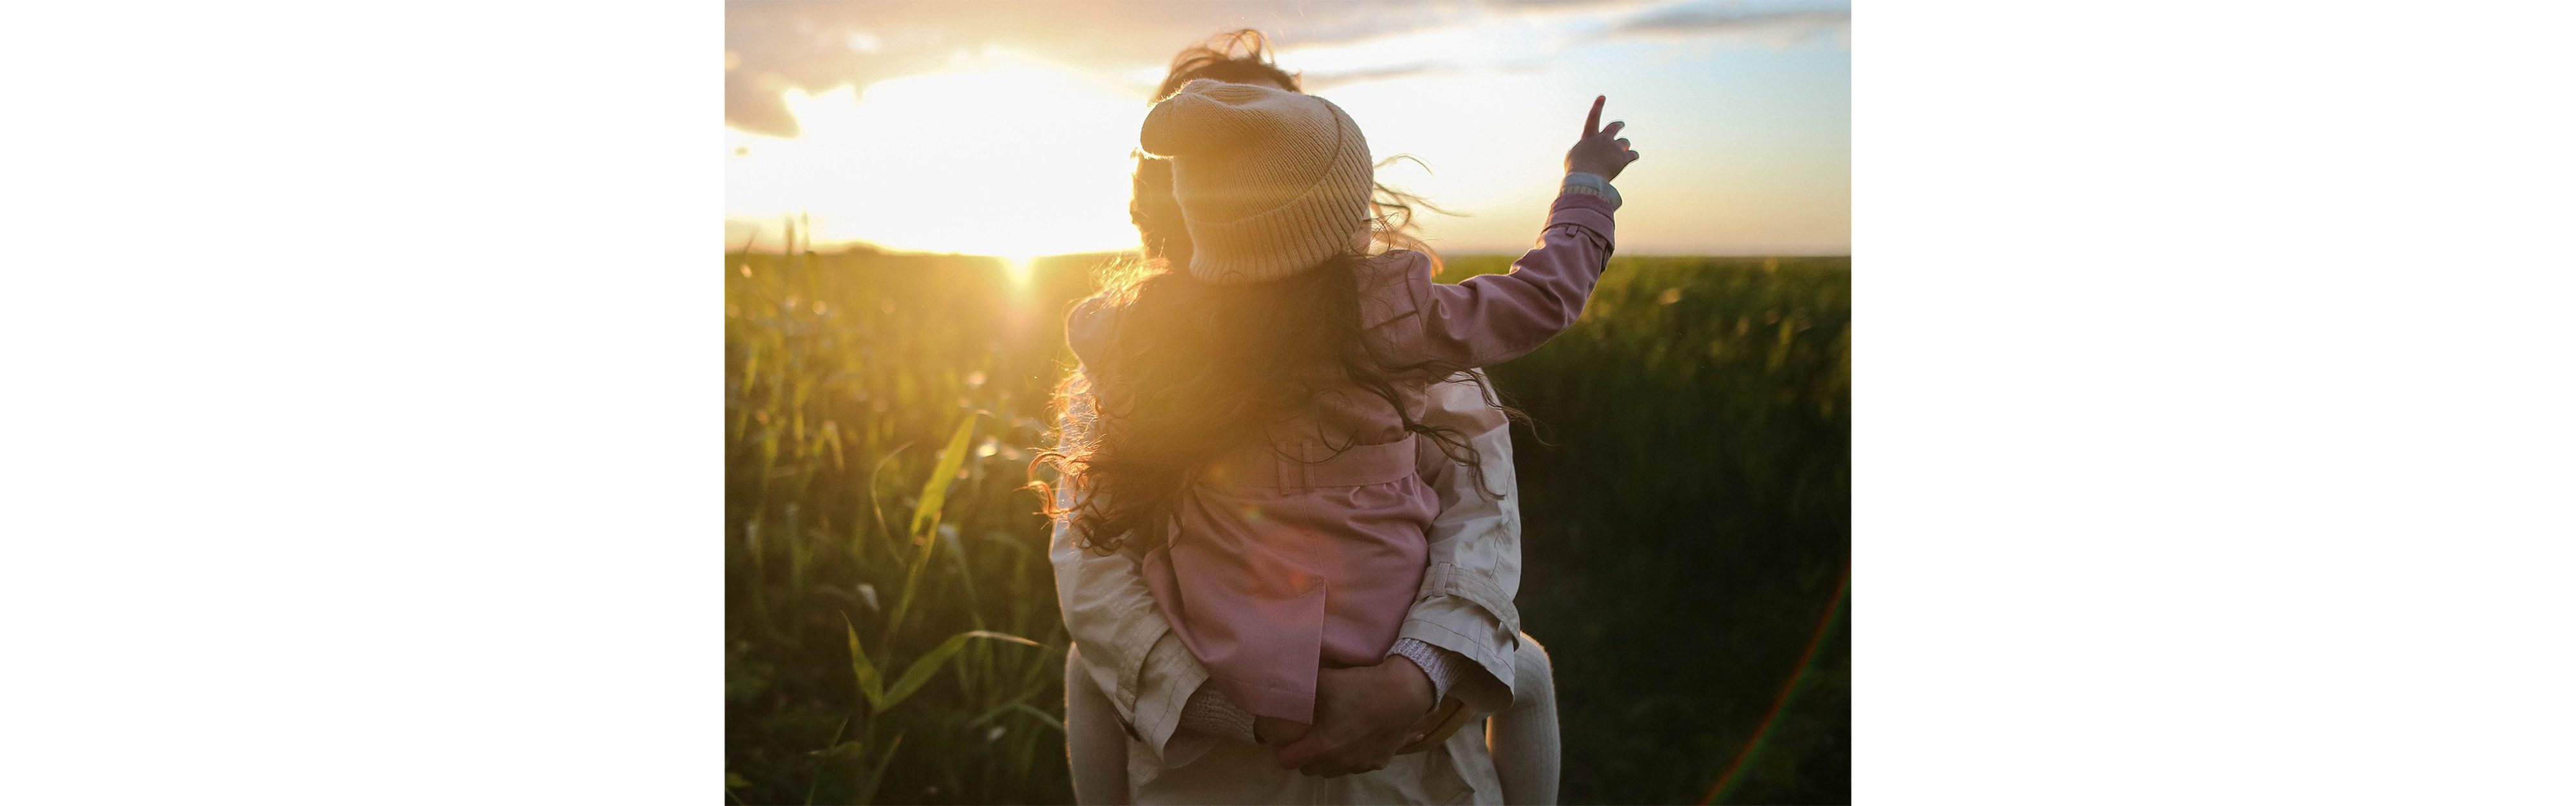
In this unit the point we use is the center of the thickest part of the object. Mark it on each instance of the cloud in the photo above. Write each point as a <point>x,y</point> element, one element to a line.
<point>775,45</point>
<point>1316,80</point>
<point>815,46</point>
<point>1786,22</point>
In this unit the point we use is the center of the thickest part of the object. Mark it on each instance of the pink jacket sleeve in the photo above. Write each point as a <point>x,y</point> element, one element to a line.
<point>1493,318</point>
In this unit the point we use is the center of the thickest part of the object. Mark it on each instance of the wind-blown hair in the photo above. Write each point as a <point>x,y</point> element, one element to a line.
<point>1224,363</point>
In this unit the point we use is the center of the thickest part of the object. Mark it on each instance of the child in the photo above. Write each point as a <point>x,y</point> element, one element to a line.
<point>1258,414</point>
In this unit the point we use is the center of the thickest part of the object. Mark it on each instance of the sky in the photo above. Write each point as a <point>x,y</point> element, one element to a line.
<point>1007,128</point>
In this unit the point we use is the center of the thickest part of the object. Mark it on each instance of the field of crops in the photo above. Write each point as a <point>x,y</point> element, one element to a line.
<point>891,634</point>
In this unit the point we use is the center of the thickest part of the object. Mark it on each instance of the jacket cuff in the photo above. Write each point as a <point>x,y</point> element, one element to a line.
<point>1591,184</point>
<point>1174,675</point>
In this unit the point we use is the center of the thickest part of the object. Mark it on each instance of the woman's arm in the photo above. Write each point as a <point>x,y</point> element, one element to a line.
<point>1128,648</point>
<point>1465,604</point>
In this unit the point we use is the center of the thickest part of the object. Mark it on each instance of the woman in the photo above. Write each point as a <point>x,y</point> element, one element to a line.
<point>1460,638</point>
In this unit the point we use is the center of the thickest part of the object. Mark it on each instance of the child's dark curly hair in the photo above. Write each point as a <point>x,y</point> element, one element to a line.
<point>1221,360</point>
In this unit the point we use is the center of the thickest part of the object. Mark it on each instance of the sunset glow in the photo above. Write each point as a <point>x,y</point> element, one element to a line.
<point>1000,155</point>
<point>999,130</point>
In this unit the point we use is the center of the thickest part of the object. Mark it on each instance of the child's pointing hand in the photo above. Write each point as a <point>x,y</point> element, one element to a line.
<point>1597,152</point>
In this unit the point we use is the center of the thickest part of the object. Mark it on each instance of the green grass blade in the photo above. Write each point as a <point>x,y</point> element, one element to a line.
<point>934,491</point>
<point>830,749</point>
<point>868,787</point>
<point>914,678</point>
<point>925,518</point>
<point>1043,718</point>
<point>870,685</point>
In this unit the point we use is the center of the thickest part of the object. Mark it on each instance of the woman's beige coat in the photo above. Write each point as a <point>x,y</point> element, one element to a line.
<point>1465,606</point>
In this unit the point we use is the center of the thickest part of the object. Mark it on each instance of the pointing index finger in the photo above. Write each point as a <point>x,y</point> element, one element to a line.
<point>1592,122</point>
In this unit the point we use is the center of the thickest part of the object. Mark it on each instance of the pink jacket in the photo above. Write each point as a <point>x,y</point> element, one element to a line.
<point>1278,567</point>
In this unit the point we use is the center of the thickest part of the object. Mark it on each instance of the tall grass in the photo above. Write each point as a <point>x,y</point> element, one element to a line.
<point>1687,524</point>
<point>891,627</point>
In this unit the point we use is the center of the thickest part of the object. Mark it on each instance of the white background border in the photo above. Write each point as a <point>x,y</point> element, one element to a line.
<point>2211,423</point>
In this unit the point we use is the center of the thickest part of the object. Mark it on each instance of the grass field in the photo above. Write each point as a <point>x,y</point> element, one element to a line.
<point>891,628</point>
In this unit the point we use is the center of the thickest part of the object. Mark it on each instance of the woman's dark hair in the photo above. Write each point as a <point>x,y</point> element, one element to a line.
<point>1224,363</point>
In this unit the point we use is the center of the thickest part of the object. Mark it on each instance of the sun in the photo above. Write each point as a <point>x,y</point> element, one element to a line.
<point>998,155</point>
<point>1021,267</point>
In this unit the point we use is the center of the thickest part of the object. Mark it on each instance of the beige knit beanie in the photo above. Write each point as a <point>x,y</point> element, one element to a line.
<point>1270,182</point>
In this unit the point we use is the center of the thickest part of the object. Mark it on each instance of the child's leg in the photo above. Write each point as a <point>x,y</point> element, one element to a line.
<point>1524,739</point>
<point>1095,749</point>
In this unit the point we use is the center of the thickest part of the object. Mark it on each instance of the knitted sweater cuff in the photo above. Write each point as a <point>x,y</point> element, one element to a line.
<point>1441,665</point>
<point>1209,712</point>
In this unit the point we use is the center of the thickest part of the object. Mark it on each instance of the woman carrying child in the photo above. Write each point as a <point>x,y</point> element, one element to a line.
<point>1273,474</point>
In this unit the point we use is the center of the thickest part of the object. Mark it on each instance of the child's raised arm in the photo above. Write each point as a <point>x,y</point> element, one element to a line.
<point>1494,318</point>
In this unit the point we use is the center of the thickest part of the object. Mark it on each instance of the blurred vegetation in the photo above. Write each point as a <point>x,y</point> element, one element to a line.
<point>891,633</point>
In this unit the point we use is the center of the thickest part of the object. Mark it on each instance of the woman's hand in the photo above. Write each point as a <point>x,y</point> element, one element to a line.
<point>1275,733</point>
<point>1362,714</point>
<point>1597,152</point>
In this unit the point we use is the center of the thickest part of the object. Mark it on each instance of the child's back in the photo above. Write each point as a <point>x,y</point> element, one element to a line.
<point>1304,546</point>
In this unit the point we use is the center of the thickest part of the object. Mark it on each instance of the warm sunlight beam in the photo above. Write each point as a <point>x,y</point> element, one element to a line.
<point>997,155</point>
<point>1020,267</point>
